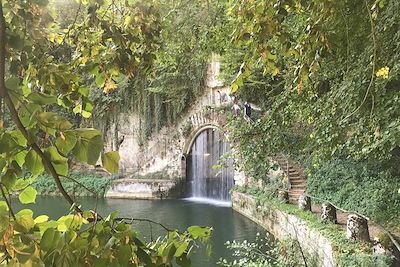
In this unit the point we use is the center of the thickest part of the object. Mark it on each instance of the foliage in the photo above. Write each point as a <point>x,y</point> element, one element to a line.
<point>187,128</point>
<point>47,65</point>
<point>326,70</point>
<point>264,253</point>
<point>326,75</point>
<point>365,187</point>
<point>73,241</point>
<point>97,184</point>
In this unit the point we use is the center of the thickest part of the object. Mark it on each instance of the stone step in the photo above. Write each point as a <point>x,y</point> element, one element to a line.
<point>296,191</point>
<point>298,186</point>
<point>296,178</point>
<point>298,183</point>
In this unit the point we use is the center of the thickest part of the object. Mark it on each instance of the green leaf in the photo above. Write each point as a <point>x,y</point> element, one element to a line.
<point>111,161</point>
<point>42,99</point>
<point>84,91</point>
<point>53,155</point>
<point>66,142</point>
<point>179,251</point>
<point>28,195</point>
<point>20,157</point>
<point>88,146</point>
<point>12,83</point>
<point>34,163</point>
<point>50,239</point>
<point>9,178</point>
<point>100,80</point>
<point>198,231</point>
<point>59,162</point>
<point>20,184</point>
<point>124,253</point>
<point>53,120</point>
<point>41,219</point>
<point>24,220</point>
<point>3,163</point>
<point>7,143</point>
<point>19,138</point>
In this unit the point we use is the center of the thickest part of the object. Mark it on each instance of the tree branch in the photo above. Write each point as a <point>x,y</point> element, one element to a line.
<point>15,117</point>
<point>146,220</point>
<point>6,200</point>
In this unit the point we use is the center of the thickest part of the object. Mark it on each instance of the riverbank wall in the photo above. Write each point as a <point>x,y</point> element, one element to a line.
<point>283,225</point>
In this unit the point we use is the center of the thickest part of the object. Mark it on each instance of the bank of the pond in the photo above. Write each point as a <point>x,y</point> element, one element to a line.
<point>325,243</point>
<point>178,214</point>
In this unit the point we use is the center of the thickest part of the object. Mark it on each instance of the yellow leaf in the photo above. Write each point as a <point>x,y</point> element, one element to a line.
<point>109,86</point>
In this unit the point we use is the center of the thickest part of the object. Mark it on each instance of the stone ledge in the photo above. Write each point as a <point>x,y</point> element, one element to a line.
<point>144,189</point>
<point>282,224</point>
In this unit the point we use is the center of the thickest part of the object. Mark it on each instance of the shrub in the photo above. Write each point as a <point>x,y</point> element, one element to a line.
<point>368,188</point>
<point>45,184</point>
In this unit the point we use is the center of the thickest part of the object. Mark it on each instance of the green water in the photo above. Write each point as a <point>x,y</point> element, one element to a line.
<point>177,214</point>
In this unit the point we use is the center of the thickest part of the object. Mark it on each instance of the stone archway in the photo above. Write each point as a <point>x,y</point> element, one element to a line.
<point>203,150</point>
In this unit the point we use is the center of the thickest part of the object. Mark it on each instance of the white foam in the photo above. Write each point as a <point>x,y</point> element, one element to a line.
<point>210,201</point>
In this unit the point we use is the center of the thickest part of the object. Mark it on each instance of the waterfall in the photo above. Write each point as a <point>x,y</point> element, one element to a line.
<point>204,181</point>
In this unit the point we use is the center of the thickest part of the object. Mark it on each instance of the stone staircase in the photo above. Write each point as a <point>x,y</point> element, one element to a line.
<point>297,181</point>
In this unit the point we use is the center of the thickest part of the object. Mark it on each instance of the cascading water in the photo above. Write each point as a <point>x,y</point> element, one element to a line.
<point>204,180</point>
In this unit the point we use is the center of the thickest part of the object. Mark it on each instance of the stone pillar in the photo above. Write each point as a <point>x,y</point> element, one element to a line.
<point>283,196</point>
<point>357,228</point>
<point>328,212</point>
<point>304,202</point>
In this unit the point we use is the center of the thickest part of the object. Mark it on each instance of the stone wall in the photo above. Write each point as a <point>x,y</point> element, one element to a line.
<point>282,225</point>
<point>145,189</point>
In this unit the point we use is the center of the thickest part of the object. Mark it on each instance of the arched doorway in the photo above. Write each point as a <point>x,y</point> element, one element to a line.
<point>209,166</point>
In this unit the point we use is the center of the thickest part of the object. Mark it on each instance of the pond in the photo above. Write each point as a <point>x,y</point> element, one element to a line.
<point>176,214</point>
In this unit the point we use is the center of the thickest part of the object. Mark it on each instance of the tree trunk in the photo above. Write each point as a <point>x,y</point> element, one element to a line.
<point>357,228</point>
<point>328,212</point>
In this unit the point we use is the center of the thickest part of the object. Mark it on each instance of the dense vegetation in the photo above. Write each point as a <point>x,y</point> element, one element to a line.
<point>338,180</point>
<point>326,75</point>
<point>48,65</point>
<point>81,184</point>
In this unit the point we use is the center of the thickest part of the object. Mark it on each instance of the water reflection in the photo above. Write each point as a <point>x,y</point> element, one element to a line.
<point>177,214</point>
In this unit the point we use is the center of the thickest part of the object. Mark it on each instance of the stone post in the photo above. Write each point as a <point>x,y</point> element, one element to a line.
<point>328,212</point>
<point>357,228</point>
<point>283,196</point>
<point>304,202</point>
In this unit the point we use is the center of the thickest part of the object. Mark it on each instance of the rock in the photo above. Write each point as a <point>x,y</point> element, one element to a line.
<point>328,212</point>
<point>304,202</point>
<point>357,228</point>
<point>283,196</point>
